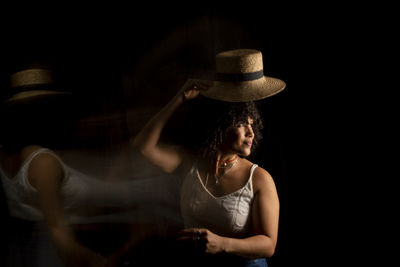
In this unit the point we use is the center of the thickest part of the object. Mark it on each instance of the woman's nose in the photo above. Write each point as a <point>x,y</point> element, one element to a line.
<point>249,131</point>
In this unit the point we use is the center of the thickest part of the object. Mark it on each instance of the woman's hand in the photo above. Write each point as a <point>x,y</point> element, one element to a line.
<point>192,88</point>
<point>202,237</point>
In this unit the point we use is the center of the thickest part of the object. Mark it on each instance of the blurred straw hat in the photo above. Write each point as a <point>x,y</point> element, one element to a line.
<point>32,83</point>
<point>240,77</point>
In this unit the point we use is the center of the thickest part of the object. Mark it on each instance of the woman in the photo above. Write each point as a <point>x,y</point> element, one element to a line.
<point>37,184</point>
<point>229,205</point>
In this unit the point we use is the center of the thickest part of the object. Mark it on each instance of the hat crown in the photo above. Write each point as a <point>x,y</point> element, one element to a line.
<point>239,61</point>
<point>31,77</point>
<point>29,84</point>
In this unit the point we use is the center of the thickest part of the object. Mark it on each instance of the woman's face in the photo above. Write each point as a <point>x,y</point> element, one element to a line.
<point>240,139</point>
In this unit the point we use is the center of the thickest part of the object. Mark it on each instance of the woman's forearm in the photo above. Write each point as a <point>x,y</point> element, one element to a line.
<point>148,137</point>
<point>259,246</point>
<point>146,142</point>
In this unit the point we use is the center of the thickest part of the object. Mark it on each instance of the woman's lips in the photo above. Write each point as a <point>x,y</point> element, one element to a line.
<point>248,143</point>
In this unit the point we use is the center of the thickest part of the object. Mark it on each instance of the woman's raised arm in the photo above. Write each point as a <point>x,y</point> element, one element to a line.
<point>167,158</point>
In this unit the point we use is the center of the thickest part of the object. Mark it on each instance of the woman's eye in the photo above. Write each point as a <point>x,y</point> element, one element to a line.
<point>240,125</point>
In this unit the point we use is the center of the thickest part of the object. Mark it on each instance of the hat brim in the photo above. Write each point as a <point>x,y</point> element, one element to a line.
<point>28,95</point>
<point>245,91</point>
<point>36,96</point>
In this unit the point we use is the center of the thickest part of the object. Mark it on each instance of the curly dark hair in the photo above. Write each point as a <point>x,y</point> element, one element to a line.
<point>209,121</point>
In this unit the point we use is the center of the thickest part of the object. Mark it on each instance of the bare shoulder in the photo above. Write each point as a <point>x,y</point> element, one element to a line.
<point>43,160</point>
<point>259,172</point>
<point>262,180</point>
<point>44,168</point>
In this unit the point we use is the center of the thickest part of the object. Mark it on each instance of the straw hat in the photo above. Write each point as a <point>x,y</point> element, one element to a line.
<point>32,83</point>
<point>240,77</point>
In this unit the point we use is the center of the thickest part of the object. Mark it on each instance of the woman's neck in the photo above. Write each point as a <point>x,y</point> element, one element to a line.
<point>226,157</point>
<point>224,160</point>
<point>220,161</point>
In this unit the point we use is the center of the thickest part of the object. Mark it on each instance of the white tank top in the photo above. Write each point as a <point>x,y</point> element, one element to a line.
<point>135,200</point>
<point>228,215</point>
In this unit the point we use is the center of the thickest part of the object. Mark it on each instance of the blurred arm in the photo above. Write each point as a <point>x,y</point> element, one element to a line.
<point>46,174</point>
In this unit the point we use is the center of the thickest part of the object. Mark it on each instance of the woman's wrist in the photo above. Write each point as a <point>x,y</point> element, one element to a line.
<point>178,99</point>
<point>226,244</point>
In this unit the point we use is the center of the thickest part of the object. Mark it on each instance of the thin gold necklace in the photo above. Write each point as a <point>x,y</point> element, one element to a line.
<point>228,168</point>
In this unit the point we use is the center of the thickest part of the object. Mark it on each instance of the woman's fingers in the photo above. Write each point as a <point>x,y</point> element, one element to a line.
<point>195,84</point>
<point>203,84</point>
<point>192,88</point>
<point>190,233</point>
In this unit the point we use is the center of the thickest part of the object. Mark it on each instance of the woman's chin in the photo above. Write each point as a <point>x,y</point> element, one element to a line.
<point>244,153</point>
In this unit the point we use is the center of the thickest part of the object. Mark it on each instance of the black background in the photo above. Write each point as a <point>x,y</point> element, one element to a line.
<point>121,58</point>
